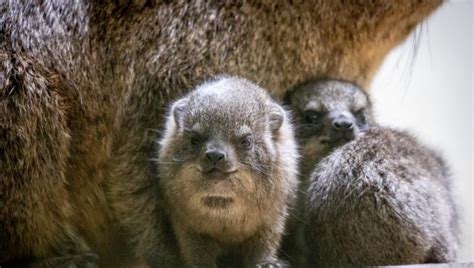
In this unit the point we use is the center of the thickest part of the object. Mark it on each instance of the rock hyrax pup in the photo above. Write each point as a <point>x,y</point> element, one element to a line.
<point>228,170</point>
<point>376,196</point>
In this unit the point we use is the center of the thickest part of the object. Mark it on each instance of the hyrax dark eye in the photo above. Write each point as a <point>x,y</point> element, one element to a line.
<point>312,117</point>
<point>245,142</point>
<point>195,139</point>
<point>360,115</point>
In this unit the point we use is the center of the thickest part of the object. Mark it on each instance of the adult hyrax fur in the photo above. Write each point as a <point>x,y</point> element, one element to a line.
<point>228,170</point>
<point>377,196</point>
<point>83,84</point>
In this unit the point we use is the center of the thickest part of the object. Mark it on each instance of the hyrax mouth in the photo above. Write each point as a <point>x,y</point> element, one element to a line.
<point>218,172</point>
<point>217,201</point>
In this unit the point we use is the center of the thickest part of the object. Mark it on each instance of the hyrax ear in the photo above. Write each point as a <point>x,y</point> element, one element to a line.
<point>277,116</point>
<point>177,111</point>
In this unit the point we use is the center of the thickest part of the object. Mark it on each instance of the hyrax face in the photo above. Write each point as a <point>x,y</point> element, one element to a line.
<point>328,114</point>
<point>220,157</point>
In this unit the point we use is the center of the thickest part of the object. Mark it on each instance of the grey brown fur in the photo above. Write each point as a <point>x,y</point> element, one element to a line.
<point>381,199</point>
<point>319,105</point>
<point>228,171</point>
<point>84,84</point>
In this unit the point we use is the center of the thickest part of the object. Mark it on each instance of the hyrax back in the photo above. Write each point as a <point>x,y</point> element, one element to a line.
<point>228,168</point>
<point>381,198</point>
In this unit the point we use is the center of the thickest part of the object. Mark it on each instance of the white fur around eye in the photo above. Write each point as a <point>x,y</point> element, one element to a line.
<point>312,105</point>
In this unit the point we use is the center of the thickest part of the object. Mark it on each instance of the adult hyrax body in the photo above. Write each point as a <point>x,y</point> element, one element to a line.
<point>83,83</point>
<point>228,170</point>
<point>376,196</point>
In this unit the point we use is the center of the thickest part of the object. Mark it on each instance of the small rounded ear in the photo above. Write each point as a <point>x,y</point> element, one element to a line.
<point>177,110</point>
<point>277,116</point>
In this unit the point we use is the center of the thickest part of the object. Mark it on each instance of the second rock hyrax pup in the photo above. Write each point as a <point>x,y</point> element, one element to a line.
<point>228,170</point>
<point>376,196</point>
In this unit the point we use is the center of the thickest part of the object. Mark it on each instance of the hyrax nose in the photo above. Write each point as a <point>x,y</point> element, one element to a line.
<point>342,125</point>
<point>215,156</point>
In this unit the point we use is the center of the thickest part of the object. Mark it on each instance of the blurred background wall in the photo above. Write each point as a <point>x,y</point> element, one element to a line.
<point>426,86</point>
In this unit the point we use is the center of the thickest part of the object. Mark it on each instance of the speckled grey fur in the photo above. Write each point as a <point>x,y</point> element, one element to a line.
<point>383,198</point>
<point>258,181</point>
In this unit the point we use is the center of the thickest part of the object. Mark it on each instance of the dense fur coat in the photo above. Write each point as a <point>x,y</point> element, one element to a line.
<point>320,108</point>
<point>83,87</point>
<point>374,196</point>
<point>228,171</point>
<point>382,199</point>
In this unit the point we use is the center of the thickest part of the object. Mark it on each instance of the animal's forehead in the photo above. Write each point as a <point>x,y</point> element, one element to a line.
<point>328,96</point>
<point>228,105</point>
<point>225,123</point>
<point>225,113</point>
<point>225,128</point>
<point>229,94</point>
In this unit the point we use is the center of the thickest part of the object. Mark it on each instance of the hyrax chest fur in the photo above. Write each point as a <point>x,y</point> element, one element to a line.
<point>375,196</point>
<point>228,171</point>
